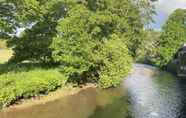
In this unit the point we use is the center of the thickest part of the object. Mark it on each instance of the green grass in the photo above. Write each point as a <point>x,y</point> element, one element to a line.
<point>26,80</point>
<point>26,84</point>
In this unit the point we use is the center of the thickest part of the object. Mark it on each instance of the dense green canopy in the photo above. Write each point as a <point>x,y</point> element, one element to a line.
<point>92,40</point>
<point>172,38</point>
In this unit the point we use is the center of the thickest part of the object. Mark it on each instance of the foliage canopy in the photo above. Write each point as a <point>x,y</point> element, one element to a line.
<point>92,40</point>
<point>172,38</point>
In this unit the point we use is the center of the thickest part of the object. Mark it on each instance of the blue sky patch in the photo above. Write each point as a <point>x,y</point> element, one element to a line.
<point>164,8</point>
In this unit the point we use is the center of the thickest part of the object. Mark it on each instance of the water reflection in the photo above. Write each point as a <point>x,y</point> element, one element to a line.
<point>118,107</point>
<point>89,103</point>
<point>80,105</point>
<point>156,94</point>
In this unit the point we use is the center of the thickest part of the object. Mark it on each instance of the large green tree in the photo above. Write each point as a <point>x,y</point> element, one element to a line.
<point>172,38</point>
<point>91,39</point>
<point>148,51</point>
<point>7,19</point>
<point>39,19</point>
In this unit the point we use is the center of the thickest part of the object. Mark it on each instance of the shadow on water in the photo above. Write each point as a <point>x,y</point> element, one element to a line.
<point>88,103</point>
<point>79,105</point>
<point>118,107</point>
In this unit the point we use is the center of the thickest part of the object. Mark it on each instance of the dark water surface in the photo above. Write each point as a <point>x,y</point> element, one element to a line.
<point>145,93</point>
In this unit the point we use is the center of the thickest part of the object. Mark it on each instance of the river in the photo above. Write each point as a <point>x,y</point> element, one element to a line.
<point>156,94</point>
<point>145,93</point>
<point>151,94</point>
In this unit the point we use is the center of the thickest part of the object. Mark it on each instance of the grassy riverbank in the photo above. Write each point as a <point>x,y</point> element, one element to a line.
<point>65,91</point>
<point>26,84</point>
<point>27,80</point>
<point>22,81</point>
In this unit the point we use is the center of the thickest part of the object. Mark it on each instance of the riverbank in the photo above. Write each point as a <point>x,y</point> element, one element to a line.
<point>52,96</point>
<point>85,102</point>
<point>28,80</point>
<point>66,103</point>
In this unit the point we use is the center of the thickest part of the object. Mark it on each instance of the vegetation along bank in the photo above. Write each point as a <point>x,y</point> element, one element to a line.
<point>77,42</point>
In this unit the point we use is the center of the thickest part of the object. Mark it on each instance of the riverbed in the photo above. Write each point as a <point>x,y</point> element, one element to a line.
<point>146,93</point>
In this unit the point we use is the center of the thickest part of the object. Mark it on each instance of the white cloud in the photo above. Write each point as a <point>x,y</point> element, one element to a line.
<point>164,8</point>
<point>168,6</point>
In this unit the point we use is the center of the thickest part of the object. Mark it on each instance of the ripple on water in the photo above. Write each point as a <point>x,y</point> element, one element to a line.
<point>155,94</point>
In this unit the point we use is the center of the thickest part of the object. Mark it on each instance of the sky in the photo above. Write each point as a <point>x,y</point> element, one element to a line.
<point>163,9</point>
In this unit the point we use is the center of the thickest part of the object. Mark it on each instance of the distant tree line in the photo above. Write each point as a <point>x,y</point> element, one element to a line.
<point>160,47</point>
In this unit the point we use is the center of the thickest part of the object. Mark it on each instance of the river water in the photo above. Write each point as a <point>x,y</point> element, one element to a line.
<point>151,94</point>
<point>145,93</point>
<point>155,94</point>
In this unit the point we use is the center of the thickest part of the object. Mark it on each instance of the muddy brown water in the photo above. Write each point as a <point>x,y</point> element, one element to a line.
<point>83,104</point>
<point>79,105</point>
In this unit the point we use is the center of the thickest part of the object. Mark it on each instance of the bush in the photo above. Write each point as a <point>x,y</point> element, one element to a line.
<point>116,62</point>
<point>15,86</point>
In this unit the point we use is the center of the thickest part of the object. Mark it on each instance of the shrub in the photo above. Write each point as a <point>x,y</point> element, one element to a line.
<point>116,62</point>
<point>15,86</point>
